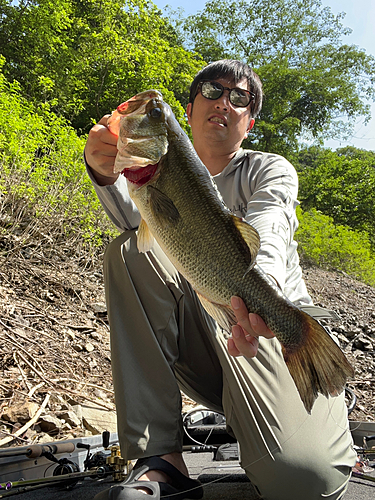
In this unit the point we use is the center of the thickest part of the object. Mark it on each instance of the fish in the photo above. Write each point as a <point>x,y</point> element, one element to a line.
<point>182,209</point>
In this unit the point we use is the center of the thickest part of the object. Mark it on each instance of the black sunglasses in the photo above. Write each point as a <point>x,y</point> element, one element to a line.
<point>213,90</point>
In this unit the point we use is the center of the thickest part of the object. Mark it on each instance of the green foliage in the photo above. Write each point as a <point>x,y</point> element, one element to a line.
<point>312,81</point>
<point>84,58</point>
<point>44,189</point>
<point>68,63</point>
<point>328,245</point>
<point>340,184</point>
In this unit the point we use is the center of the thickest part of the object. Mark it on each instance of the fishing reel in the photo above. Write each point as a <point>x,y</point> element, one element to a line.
<point>108,462</point>
<point>64,468</point>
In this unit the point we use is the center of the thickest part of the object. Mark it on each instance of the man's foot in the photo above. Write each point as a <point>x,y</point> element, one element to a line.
<point>175,459</point>
<point>158,477</point>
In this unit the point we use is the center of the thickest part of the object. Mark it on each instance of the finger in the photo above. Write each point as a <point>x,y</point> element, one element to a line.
<point>100,132</point>
<point>232,349</point>
<point>241,313</point>
<point>104,120</point>
<point>244,342</point>
<point>259,327</point>
<point>250,322</point>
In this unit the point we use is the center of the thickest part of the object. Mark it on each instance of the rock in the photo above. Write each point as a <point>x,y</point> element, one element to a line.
<point>44,438</point>
<point>69,333</point>
<point>50,424</point>
<point>89,347</point>
<point>78,411</point>
<point>29,434</point>
<point>70,417</point>
<point>364,343</point>
<point>343,339</point>
<point>351,333</point>
<point>97,419</point>
<point>22,412</point>
<point>4,431</point>
<point>99,307</point>
<point>96,336</point>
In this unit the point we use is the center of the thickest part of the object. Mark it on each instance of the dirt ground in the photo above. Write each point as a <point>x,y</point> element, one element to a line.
<point>55,352</point>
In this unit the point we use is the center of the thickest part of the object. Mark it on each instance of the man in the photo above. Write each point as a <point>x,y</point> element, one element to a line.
<point>163,340</point>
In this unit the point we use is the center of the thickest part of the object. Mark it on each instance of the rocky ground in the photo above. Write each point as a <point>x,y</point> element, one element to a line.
<point>55,359</point>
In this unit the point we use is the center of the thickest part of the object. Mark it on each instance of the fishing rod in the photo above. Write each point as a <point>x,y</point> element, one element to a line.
<point>67,473</point>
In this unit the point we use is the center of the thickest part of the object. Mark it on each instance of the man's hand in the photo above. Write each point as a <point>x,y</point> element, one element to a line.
<point>100,152</point>
<point>244,340</point>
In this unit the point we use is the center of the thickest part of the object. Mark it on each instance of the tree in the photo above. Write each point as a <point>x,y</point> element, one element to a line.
<point>312,81</point>
<point>82,58</point>
<point>340,184</point>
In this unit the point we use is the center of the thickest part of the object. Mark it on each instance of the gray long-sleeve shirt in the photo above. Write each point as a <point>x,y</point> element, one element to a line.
<point>260,187</point>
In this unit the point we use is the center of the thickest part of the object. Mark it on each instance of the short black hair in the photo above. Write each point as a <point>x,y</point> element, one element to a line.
<point>235,71</point>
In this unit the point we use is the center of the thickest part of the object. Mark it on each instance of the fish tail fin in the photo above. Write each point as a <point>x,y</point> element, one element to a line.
<point>318,365</point>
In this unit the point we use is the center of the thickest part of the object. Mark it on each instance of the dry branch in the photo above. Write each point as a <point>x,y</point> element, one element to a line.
<point>28,424</point>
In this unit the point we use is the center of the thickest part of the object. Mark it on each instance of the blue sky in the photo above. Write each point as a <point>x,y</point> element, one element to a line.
<point>360,16</point>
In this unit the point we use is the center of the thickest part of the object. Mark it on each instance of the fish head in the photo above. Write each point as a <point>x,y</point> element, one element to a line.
<point>141,124</point>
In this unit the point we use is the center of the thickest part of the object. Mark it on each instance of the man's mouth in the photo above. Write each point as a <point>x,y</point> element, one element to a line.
<point>218,119</point>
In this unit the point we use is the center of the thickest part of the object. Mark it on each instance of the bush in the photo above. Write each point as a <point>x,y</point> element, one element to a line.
<point>45,194</point>
<point>334,246</point>
<point>340,184</point>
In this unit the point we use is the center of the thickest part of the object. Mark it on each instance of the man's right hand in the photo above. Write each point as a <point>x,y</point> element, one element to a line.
<point>100,153</point>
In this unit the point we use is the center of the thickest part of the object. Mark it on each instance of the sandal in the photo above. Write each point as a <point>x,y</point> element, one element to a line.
<point>180,487</point>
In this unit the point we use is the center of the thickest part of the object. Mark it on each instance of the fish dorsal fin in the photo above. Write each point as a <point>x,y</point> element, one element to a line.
<point>251,237</point>
<point>145,240</point>
<point>162,207</point>
<point>222,314</point>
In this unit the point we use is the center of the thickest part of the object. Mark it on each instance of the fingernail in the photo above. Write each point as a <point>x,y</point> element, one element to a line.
<point>235,302</point>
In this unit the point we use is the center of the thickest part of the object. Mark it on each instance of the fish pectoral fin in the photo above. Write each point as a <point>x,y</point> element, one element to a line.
<point>145,240</point>
<point>222,314</point>
<point>251,236</point>
<point>162,206</point>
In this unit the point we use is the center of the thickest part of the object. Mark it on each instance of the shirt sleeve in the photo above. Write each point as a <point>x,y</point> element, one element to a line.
<point>271,210</point>
<point>117,203</point>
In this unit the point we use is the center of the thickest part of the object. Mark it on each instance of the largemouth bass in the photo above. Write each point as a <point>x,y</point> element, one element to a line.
<point>212,248</point>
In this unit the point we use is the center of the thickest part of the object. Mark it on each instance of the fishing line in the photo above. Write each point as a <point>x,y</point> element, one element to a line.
<point>330,414</point>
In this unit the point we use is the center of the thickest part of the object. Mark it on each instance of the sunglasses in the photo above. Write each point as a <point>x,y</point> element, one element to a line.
<point>213,90</point>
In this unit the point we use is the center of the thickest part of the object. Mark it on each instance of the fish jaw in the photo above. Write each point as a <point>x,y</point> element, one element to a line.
<point>141,132</point>
<point>135,104</point>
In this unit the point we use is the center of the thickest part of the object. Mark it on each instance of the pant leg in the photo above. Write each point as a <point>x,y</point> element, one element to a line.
<point>287,453</point>
<point>159,338</point>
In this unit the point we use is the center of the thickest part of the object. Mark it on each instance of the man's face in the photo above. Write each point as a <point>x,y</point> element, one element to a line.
<point>218,121</point>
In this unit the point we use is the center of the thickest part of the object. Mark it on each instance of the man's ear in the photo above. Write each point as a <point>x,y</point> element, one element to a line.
<point>250,126</point>
<point>189,110</point>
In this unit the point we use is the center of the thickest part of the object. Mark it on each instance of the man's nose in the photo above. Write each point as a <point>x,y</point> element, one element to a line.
<point>223,101</point>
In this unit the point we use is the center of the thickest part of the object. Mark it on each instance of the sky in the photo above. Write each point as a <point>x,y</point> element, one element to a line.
<point>360,15</point>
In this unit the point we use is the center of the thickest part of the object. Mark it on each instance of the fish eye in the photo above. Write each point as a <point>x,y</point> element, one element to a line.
<point>155,113</point>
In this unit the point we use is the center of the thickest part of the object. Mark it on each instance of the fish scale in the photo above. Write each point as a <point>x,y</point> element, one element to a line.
<point>214,250</point>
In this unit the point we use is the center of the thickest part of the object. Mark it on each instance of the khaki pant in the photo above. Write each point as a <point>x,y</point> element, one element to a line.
<point>162,341</point>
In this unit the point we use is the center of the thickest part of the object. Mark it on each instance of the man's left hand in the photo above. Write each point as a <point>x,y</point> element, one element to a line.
<point>244,340</point>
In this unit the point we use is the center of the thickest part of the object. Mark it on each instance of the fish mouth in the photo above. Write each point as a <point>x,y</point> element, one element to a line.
<point>220,120</point>
<point>141,175</point>
<point>135,103</point>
